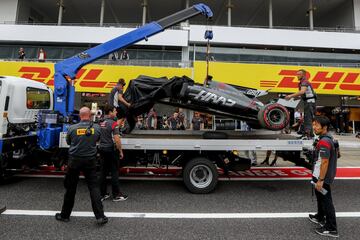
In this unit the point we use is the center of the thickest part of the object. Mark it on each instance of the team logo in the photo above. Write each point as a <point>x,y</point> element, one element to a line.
<point>212,97</point>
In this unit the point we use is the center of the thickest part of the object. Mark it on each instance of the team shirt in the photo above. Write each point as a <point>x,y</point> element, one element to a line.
<point>108,128</point>
<point>325,149</point>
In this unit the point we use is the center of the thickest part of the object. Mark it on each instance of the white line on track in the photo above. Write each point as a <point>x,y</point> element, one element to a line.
<point>178,215</point>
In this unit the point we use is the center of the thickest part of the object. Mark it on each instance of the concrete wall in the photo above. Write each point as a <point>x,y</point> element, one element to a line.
<point>357,13</point>
<point>8,9</point>
<point>277,37</point>
<point>70,34</point>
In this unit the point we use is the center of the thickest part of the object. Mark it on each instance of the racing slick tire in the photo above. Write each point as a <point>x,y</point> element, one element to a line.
<point>273,116</point>
<point>200,175</point>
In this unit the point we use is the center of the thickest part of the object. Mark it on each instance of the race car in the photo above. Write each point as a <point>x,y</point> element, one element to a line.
<point>213,97</point>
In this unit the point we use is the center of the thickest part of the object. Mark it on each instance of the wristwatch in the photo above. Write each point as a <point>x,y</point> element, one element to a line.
<point>321,179</point>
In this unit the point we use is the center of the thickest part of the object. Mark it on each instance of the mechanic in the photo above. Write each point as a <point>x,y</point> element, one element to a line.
<point>308,96</point>
<point>117,100</point>
<point>82,138</point>
<point>324,172</point>
<point>110,135</point>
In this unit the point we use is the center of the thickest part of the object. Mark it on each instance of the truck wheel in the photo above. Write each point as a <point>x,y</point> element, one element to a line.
<point>200,175</point>
<point>273,116</point>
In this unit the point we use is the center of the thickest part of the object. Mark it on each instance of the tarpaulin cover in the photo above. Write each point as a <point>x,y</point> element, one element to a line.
<point>144,91</point>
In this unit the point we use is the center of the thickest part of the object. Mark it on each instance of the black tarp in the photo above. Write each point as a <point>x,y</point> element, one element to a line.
<point>144,91</point>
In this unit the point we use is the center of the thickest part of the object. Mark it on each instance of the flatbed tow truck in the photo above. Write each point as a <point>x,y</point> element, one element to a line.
<point>35,120</point>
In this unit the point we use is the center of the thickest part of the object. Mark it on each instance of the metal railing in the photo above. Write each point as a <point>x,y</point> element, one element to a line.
<point>190,64</point>
<point>117,25</point>
<point>135,62</point>
<point>178,26</point>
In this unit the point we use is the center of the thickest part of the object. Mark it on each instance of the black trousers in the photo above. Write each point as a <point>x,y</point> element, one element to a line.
<point>309,114</point>
<point>109,163</point>
<point>88,167</point>
<point>326,208</point>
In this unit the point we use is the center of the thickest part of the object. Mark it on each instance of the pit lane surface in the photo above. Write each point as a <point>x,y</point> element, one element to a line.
<point>264,198</point>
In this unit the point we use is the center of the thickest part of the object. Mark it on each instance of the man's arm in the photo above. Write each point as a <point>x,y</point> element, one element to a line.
<point>324,152</point>
<point>297,94</point>
<point>122,99</point>
<point>323,170</point>
<point>68,139</point>
<point>117,140</point>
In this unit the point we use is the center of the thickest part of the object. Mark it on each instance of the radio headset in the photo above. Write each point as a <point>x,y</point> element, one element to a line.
<point>88,129</point>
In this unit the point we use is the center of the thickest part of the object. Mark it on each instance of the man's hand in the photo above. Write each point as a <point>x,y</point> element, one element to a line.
<point>319,185</point>
<point>288,97</point>
<point>121,154</point>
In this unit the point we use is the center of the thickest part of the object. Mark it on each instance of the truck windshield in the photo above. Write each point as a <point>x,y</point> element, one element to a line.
<point>37,98</point>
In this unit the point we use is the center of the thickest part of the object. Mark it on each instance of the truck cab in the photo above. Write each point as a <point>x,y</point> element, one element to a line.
<point>22,99</point>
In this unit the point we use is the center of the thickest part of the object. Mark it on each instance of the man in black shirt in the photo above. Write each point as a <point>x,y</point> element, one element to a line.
<point>173,122</point>
<point>82,138</point>
<point>117,100</point>
<point>109,140</point>
<point>197,122</point>
<point>308,96</point>
<point>323,176</point>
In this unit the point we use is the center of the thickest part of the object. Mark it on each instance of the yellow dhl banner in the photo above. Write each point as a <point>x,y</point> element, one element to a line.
<point>278,78</point>
<point>282,78</point>
<point>91,78</point>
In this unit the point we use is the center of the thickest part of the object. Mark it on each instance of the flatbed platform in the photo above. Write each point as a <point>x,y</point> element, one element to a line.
<point>189,134</point>
<point>192,140</point>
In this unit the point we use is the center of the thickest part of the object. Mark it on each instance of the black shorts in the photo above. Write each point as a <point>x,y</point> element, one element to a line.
<point>122,111</point>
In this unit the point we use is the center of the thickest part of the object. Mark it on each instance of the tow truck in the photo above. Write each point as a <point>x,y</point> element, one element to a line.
<point>35,120</point>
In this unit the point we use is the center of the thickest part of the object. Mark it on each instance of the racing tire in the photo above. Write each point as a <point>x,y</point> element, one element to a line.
<point>215,135</point>
<point>200,175</point>
<point>274,116</point>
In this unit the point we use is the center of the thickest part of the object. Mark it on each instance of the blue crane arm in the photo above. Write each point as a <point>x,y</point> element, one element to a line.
<point>66,70</point>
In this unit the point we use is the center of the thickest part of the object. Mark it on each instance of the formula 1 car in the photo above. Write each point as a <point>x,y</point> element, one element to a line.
<point>213,97</point>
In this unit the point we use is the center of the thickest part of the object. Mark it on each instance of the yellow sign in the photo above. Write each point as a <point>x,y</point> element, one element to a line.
<point>91,78</point>
<point>82,131</point>
<point>278,78</point>
<point>282,78</point>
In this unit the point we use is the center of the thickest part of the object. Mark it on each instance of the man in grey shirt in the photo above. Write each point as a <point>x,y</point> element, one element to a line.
<point>117,100</point>
<point>82,138</point>
<point>110,150</point>
<point>308,95</point>
<point>323,177</point>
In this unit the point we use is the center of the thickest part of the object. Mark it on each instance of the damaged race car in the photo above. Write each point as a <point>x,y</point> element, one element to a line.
<point>213,97</point>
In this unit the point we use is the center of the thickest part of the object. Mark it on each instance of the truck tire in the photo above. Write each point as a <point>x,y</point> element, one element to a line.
<point>273,116</point>
<point>200,175</point>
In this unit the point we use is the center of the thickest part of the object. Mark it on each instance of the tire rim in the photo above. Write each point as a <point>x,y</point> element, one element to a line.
<point>276,116</point>
<point>201,176</point>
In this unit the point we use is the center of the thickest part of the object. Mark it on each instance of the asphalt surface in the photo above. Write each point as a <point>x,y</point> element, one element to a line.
<point>172,197</point>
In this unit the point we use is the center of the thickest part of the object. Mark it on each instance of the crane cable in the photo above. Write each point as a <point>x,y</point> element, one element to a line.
<point>208,36</point>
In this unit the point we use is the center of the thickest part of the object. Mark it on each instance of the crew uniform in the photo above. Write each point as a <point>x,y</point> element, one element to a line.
<point>325,148</point>
<point>121,109</point>
<point>309,99</point>
<point>82,138</point>
<point>110,160</point>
